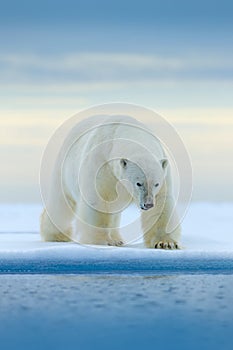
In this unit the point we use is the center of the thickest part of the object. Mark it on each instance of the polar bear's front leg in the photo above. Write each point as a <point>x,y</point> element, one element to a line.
<point>94,227</point>
<point>154,224</point>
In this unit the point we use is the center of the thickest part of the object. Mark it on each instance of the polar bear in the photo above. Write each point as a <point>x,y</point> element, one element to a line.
<point>104,163</point>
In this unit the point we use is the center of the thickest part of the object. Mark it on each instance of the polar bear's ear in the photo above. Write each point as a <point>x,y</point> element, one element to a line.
<point>123,163</point>
<point>164,163</point>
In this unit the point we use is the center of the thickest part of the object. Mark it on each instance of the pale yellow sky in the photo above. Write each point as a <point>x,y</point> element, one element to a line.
<point>207,134</point>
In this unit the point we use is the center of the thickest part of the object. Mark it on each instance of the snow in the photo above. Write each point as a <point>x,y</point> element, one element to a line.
<point>19,217</point>
<point>68,296</point>
<point>207,241</point>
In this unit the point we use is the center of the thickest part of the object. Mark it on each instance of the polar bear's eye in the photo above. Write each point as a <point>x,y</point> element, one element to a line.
<point>138,184</point>
<point>123,163</point>
<point>156,185</point>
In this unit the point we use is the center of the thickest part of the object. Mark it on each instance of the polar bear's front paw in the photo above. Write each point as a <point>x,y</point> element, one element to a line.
<point>117,243</point>
<point>166,245</point>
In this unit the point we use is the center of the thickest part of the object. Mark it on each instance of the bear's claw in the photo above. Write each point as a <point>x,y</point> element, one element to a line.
<point>166,245</point>
<point>116,243</point>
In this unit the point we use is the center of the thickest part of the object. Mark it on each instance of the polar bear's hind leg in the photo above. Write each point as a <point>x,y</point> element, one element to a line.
<point>49,231</point>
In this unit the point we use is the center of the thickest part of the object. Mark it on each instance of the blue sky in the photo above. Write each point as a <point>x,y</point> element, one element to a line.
<point>141,27</point>
<point>147,12</point>
<point>122,43</point>
<point>57,57</point>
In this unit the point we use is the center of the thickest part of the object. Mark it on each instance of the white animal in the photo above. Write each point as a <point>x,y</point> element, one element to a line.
<point>105,162</point>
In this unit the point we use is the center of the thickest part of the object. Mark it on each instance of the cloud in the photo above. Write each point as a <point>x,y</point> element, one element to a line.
<point>112,68</point>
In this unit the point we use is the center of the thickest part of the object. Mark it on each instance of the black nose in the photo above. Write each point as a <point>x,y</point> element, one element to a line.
<point>148,205</point>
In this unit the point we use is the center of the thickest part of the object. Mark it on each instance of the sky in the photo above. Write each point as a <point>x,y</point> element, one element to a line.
<point>58,57</point>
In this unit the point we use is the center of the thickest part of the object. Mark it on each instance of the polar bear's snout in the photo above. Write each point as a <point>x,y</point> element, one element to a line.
<point>147,206</point>
<point>148,203</point>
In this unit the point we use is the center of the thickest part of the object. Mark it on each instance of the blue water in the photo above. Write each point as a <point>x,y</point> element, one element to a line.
<point>116,311</point>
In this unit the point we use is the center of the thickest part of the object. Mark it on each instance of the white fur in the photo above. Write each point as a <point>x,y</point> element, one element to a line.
<point>102,166</point>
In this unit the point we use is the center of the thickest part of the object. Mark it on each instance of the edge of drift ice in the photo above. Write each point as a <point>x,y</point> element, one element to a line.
<point>75,259</point>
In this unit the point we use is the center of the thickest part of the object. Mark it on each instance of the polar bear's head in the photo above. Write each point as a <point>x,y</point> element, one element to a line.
<point>144,180</point>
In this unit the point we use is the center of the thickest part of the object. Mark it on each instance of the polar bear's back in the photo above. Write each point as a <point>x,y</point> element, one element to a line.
<point>103,128</point>
<point>113,135</point>
<point>100,124</point>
